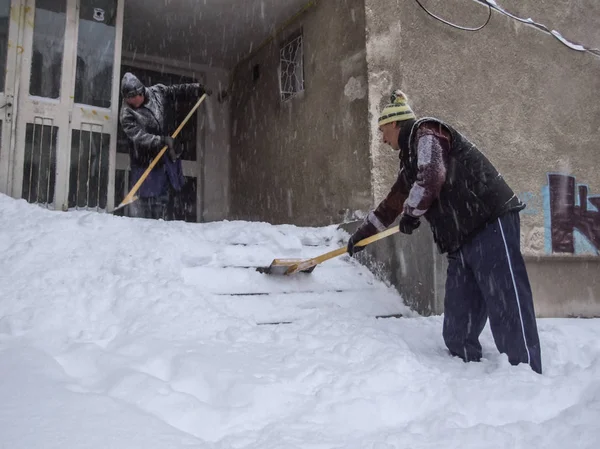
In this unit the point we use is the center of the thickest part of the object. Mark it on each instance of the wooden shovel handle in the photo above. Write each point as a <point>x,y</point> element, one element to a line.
<point>378,236</point>
<point>130,196</point>
<point>338,252</point>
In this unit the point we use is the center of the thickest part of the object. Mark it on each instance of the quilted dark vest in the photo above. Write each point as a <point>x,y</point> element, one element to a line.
<point>473,195</point>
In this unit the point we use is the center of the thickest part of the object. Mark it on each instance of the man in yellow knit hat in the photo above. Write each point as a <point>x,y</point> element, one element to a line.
<point>474,218</point>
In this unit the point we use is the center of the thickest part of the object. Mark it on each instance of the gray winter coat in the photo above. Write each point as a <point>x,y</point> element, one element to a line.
<point>146,128</point>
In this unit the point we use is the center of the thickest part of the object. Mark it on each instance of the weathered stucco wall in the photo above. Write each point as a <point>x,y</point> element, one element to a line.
<point>526,100</point>
<point>306,160</point>
<point>214,185</point>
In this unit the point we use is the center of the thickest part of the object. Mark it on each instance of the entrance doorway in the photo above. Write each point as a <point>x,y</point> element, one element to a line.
<point>60,97</point>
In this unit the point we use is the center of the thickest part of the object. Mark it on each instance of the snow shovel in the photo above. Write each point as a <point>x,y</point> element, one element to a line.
<point>130,198</point>
<point>291,266</point>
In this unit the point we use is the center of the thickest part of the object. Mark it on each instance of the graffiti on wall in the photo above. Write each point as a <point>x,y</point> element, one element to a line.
<point>571,216</point>
<point>572,210</point>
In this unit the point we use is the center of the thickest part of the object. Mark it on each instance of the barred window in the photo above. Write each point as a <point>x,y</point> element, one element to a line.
<point>291,66</point>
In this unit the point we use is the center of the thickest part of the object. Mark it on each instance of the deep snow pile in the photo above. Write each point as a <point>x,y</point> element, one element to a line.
<point>124,333</point>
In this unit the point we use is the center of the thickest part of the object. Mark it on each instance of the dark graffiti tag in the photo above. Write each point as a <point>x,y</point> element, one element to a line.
<point>568,215</point>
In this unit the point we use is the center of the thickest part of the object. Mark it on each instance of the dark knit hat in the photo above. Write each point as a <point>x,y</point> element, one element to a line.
<point>131,86</point>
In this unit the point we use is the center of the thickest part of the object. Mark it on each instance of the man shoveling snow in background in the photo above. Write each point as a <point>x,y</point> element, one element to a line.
<point>145,118</point>
<point>474,217</point>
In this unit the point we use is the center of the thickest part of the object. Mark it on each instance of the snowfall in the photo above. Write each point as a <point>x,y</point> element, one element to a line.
<point>138,334</point>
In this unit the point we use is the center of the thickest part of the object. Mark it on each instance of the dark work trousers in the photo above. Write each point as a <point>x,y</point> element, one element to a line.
<point>487,278</point>
<point>153,207</point>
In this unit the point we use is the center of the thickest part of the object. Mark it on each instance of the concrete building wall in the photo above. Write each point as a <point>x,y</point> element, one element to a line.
<point>528,102</point>
<point>215,160</point>
<point>306,160</point>
<point>407,263</point>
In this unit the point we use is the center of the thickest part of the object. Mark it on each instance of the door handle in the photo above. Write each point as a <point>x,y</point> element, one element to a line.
<point>7,104</point>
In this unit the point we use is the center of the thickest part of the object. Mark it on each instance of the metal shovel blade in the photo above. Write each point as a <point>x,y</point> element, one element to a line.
<point>284,266</point>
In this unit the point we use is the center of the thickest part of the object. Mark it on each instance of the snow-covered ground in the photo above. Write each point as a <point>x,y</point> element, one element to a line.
<point>137,334</point>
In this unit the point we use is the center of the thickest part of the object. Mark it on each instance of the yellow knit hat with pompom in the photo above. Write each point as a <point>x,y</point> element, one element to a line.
<point>397,110</point>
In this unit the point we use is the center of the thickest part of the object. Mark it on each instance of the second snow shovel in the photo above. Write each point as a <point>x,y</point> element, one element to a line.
<point>291,266</point>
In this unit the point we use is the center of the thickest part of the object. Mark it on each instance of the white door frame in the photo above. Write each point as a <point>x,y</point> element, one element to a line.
<point>105,120</point>
<point>8,100</point>
<point>116,107</point>
<point>61,112</point>
<point>39,110</point>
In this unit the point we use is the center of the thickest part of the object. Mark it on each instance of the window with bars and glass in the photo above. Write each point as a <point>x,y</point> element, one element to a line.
<point>291,67</point>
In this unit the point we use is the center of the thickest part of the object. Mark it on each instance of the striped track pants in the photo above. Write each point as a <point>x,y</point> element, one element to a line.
<point>487,278</point>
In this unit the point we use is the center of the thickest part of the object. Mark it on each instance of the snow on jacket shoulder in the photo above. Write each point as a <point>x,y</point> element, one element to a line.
<point>147,125</point>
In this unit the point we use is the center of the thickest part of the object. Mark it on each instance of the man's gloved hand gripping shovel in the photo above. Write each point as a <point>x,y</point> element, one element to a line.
<point>291,266</point>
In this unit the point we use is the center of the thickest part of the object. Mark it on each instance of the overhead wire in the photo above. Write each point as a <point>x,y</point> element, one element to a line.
<point>544,28</point>
<point>452,24</point>
<point>492,5</point>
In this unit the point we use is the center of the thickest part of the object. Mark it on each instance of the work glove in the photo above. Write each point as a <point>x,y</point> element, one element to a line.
<point>204,90</point>
<point>408,224</point>
<point>364,231</point>
<point>170,143</point>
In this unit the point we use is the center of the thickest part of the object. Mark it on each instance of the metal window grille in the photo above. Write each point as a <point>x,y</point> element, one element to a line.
<point>88,180</point>
<point>291,66</point>
<point>39,165</point>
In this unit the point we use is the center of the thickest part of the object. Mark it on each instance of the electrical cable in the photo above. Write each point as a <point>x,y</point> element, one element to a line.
<point>492,5</point>
<point>544,28</point>
<point>453,25</point>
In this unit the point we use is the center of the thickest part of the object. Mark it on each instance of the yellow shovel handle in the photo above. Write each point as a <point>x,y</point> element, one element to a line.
<point>378,236</point>
<point>338,252</point>
<point>130,196</point>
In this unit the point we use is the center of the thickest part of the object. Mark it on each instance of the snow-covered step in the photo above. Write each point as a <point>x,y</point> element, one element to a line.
<point>288,307</point>
<point>233,280</point>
